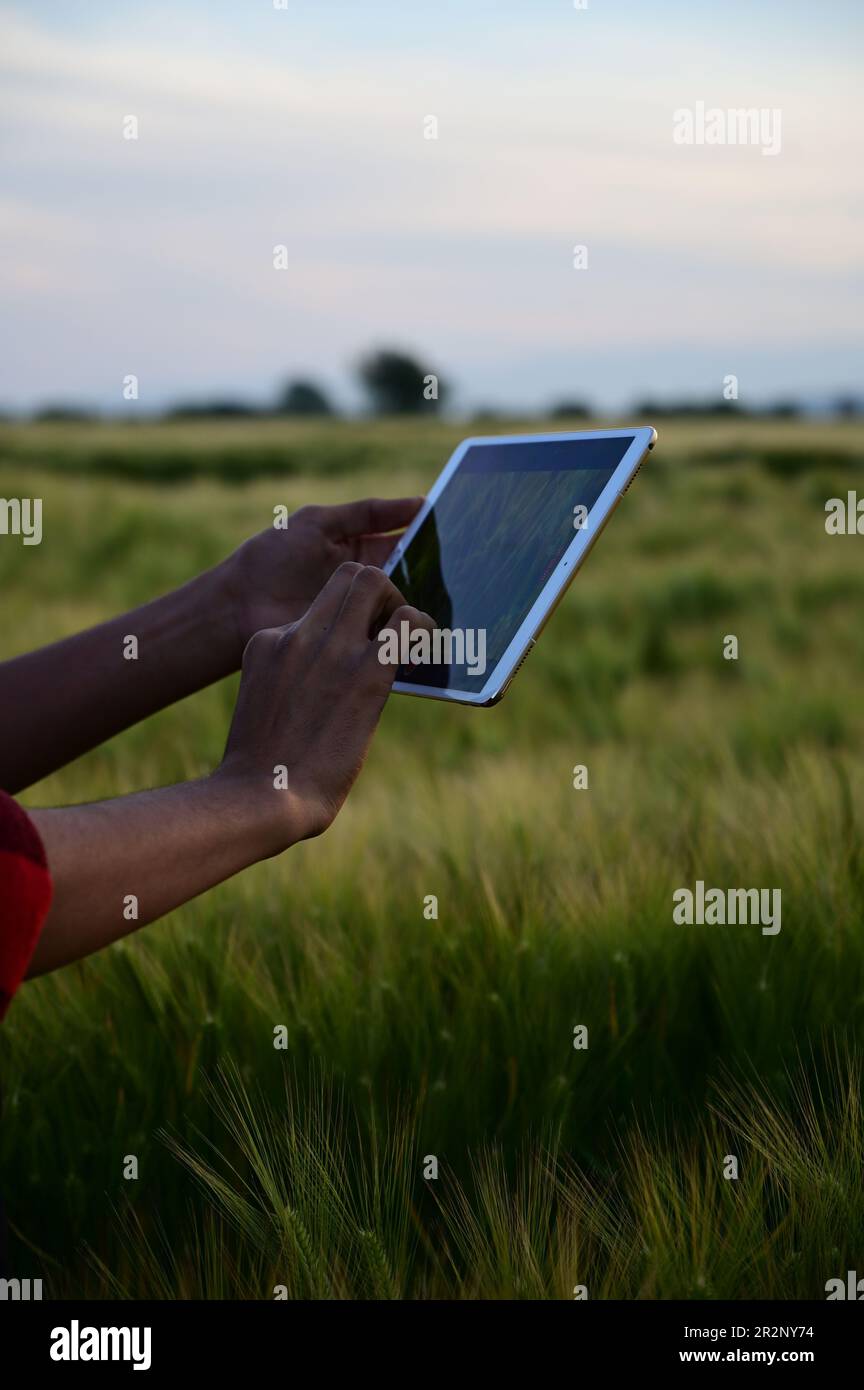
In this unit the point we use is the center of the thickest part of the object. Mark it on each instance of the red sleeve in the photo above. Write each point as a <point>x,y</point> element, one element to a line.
<point>25,895</point>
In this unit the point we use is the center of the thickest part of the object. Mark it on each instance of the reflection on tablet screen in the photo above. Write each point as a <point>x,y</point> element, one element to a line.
<point>500,527</point>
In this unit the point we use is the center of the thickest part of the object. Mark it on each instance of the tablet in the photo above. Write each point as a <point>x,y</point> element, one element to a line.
<point>496,543</point>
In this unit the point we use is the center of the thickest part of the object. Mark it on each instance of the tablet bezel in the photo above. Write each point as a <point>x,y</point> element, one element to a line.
<point>499,678</point>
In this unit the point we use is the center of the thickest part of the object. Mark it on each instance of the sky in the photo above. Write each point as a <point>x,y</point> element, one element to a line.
<point>305,127</point>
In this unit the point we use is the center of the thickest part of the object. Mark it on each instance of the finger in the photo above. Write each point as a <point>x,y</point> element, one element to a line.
<point>327,604</point>
<point>376,550</point>
<point>416,619</point>
<point>371,516</point>
<point>369,602</point>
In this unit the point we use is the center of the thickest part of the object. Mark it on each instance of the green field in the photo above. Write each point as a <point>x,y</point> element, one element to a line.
<point>603,1167</point>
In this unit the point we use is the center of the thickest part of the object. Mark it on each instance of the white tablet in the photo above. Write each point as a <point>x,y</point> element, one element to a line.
<point>500,536</point>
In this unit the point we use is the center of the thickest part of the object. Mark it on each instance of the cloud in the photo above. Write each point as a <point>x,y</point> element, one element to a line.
<point>163,246</point>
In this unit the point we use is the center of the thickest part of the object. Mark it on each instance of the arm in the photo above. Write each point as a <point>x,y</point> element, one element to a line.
<point>310,699</point>
<point>117,865</point>
<point>61,701</point>
<point>65,699</point>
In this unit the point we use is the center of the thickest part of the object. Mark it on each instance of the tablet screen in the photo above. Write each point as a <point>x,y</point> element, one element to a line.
<point>499,528</point>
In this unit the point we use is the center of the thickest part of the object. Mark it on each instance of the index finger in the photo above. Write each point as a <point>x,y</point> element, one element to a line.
<point>370,517</point>
<point>371,598</point>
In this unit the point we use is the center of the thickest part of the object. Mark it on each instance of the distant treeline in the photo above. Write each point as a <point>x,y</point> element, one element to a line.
<point>396,383</point>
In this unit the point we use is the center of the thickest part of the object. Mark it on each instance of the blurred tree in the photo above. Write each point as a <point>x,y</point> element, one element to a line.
<point>398,385</point>
<point>220,406</point>
<point>576,410</point>
<point>64,414</point>
<point>689,406</point>
<point>303,398</point>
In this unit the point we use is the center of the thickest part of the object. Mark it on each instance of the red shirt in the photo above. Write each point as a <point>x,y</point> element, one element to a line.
<point>25,895</point>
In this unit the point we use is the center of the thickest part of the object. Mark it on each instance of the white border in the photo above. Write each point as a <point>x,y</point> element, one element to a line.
<point>644,437</point>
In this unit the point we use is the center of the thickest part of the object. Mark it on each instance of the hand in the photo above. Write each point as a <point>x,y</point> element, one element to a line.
<point>310,699</point>
<point>273,578</point>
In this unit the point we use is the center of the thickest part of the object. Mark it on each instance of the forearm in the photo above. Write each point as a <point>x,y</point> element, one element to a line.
<point>310,699</point>
<point>63,700</point>
<point>116,865</point>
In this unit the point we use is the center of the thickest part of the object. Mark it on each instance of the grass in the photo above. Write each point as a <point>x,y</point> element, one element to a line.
<point>406,1037</point>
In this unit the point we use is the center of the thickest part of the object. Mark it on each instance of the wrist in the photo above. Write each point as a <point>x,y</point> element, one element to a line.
<point>271,818</point>
<point>227,609</point>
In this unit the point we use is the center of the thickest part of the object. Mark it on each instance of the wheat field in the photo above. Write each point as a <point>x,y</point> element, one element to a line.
<point>306,1170</point>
